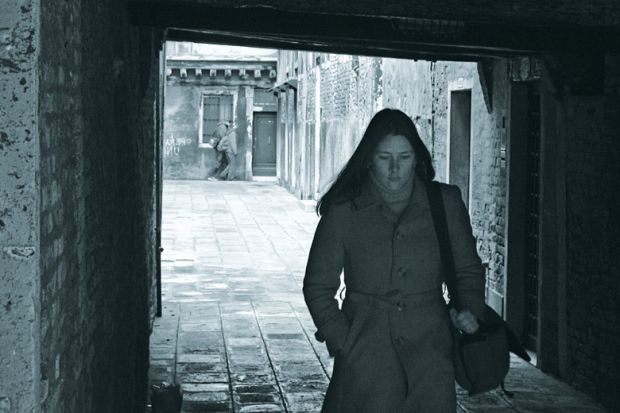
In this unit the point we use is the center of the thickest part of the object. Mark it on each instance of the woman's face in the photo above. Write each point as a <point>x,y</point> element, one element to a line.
<point>393,161</point>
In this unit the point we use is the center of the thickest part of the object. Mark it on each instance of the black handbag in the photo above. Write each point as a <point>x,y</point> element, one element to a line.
<point>481,360</point>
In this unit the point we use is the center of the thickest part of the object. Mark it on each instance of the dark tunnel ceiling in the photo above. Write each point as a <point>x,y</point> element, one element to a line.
<point>406,37</point>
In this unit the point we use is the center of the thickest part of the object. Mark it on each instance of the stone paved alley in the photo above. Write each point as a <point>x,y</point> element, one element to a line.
<point>235,331</point>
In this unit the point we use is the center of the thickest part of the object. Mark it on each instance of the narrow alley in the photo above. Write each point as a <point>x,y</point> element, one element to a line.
<point>104,102</point>
<point>235,331</point>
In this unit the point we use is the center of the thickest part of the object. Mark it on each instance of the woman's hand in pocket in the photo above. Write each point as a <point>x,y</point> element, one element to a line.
<point>464,321</point>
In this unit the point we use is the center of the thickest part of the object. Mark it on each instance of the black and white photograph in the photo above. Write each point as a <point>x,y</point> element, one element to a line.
<point>276,206</point>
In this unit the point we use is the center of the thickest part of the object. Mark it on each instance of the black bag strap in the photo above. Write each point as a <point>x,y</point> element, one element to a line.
<point>438,212</point>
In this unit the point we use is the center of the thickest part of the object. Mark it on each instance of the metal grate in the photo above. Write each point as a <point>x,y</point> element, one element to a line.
<point>533,202</point>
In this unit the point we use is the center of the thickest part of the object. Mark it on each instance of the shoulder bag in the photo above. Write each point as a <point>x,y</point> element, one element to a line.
<point>481,360</point>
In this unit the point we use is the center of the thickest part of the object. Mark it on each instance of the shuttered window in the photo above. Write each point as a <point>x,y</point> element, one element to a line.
<point>216,108</point>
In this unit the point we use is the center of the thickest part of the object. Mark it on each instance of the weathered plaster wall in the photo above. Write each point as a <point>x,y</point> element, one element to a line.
<point>349,98</point>
<point>183,159</point>
<point>408,85</point>
<point>19,207</point>
<point>338,97</point>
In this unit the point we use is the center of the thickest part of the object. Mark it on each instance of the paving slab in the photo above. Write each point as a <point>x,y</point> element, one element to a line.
<point>235,331</point>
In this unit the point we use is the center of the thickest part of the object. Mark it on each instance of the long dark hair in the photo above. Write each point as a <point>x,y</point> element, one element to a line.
<point>349,182</point>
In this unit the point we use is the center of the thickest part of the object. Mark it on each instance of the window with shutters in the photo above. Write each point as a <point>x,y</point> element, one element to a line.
<point>215,109</point>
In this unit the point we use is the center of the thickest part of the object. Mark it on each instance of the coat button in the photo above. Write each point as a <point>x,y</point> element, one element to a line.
<point>399,235</point>
<point>400,306</point>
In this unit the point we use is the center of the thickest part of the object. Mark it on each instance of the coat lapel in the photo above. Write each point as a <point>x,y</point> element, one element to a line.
<point>367,198</point>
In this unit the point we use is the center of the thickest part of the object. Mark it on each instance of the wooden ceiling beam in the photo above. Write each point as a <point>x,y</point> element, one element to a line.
<point>585,13</point>
<point>398,34</point>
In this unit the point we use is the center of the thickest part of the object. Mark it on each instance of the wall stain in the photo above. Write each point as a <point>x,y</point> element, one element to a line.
<point>20,252</point>
<point>4,140</point>
<point>9,64</point>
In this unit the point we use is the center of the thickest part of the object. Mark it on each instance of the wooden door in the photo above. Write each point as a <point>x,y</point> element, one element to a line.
<point>264,144</point>
<point>460,140</point>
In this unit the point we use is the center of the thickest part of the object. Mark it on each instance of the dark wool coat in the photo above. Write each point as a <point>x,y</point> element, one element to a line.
<point>391,339</point>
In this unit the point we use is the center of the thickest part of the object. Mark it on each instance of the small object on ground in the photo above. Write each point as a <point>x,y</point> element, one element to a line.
<point>166,398</point>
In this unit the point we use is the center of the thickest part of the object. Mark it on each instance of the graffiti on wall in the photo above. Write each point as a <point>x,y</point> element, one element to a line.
<point>172,144</point>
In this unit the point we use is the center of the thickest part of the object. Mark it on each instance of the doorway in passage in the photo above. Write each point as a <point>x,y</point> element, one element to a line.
<point>264,145</point>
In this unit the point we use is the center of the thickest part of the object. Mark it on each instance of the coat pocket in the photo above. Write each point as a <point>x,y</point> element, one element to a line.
<point>357,325</point>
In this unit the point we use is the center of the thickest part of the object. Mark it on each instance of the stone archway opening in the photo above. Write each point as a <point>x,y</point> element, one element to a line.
<point>210,365</point>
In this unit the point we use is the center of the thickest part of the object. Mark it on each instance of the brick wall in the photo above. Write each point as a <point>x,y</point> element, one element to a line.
<point>63,216</point>
<point>97,207</point>
<point>593,270</point>
<point>488,172</point>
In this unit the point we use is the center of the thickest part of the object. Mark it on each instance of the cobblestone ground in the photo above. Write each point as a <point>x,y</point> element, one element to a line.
<point>235,331</point>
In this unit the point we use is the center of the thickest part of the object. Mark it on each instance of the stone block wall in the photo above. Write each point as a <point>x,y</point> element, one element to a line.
<point>19,206</point>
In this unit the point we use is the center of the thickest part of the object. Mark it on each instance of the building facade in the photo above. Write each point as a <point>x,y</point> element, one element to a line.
<point>209,85</point>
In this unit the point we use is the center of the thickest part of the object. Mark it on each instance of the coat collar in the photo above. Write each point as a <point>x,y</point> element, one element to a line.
<point>418,202</point>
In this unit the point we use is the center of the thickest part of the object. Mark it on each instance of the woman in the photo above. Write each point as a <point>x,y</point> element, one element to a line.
<point>391,340</point>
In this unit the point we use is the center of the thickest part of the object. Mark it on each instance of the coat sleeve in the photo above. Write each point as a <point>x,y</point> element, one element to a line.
<point>322,280</point>
<point>470,274</point>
